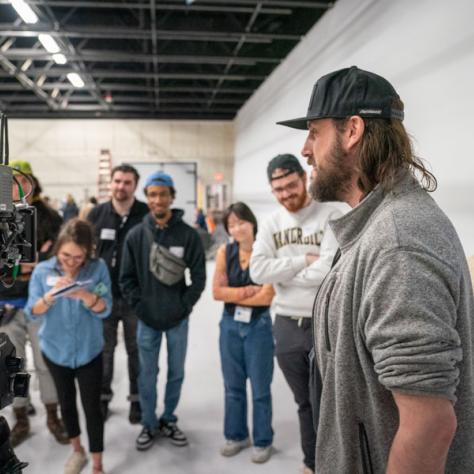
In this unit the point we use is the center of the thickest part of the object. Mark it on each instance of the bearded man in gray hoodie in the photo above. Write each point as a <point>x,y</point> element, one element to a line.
<point>393,320</point>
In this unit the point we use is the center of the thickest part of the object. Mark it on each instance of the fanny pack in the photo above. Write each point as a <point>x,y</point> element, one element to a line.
<point>166,267</point>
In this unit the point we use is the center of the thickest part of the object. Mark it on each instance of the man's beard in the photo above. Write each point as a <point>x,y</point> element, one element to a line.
<point>295,206</point>
<point>333,182</point>
<point>120,196</point>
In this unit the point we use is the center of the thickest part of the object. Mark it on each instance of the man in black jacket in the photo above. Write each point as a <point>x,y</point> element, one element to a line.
<point>112,221</point>
<point>152,280</point>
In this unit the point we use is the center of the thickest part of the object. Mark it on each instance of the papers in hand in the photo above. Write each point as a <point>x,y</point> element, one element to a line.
<point>70,288</point>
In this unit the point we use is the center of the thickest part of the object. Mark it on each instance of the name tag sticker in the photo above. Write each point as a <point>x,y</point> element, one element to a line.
<point>107,234</point>
<point>242,314</point>
<point>51,280</point>
<point>177,251</point>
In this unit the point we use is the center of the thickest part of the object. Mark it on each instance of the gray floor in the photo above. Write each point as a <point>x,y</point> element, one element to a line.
<point>200,417</point>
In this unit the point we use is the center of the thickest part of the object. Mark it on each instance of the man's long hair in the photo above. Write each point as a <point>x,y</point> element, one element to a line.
<point>385,152</point>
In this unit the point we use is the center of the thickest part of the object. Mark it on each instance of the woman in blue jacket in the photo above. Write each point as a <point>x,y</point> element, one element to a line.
<point>71,333</point>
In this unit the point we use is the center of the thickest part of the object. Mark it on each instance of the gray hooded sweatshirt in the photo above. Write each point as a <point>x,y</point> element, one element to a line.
<point>394,314</point>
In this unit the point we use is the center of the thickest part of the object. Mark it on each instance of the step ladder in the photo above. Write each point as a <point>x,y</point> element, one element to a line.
<point>103,178</point>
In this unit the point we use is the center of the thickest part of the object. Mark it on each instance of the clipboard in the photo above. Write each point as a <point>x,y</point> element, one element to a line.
<point>70,288</point>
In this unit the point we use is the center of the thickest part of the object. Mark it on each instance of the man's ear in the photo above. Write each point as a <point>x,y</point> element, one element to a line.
<point>354,131</point>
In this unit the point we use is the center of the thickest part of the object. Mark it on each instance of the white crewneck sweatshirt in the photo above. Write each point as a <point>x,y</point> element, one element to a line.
<point>278,255</point>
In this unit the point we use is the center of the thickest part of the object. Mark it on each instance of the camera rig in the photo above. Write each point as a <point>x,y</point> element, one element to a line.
<point>17,245</point>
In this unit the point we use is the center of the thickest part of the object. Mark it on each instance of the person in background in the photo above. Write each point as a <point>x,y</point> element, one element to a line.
<point>200,222</point>
<point>246,338</point>
<point>69,209</point>
<point>294,250</point>
<point>71,334</point>
<point>155,256</point>
<point>87,208</point>
<point>112,221</point>
<point>13,321</point>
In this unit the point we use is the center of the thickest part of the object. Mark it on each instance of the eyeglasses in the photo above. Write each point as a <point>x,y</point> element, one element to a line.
<point>292,186</point>
<point>72,258</point>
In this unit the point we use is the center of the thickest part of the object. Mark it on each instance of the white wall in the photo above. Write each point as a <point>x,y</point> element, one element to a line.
<point>424,47</point>
<point>64,154</point>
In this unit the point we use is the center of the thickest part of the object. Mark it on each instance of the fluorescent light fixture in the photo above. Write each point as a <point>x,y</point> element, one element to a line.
<point>25,11</point>
<point>49,43</point>
<point>75,79</point>
<point>55,93</point>
<point>59,58</point>
<point>26,65</point>
<point>41,80</point>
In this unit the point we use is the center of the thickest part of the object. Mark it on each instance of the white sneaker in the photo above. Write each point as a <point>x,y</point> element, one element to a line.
<point>75,463</point>
<point>261,454</point>
<point>231,447</point>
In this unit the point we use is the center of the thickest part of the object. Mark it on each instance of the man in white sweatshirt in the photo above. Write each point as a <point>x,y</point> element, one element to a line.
<point>293,251</point>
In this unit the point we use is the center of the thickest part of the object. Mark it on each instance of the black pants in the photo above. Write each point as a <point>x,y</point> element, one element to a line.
<point>88,377</point>
<point>294,342</point>
<point>120,312</point>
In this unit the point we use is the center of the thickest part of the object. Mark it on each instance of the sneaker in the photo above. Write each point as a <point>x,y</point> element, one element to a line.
<point>170,430</point>
<point>75,463</point>
<point>261,454</point>
<point>145,439</point>
<point>135,414</point>
<point>231,447</point>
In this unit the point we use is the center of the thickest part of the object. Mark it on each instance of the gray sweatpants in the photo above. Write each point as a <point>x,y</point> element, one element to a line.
<point>19,330</point>
<point>293,344</point>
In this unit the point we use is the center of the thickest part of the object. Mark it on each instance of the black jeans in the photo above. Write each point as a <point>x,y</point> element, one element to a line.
<point>88,377</point>
<point>294,342</point>
<point>121,311</point>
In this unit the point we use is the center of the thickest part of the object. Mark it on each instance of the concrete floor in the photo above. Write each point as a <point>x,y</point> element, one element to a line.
<point>200,416</point>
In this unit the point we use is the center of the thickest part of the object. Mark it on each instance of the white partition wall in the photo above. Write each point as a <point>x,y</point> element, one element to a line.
<point>424,47</point>
<point>64,153</point>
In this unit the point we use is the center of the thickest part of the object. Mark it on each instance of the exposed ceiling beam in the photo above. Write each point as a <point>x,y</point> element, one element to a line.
<point>154,53</point>
<point>13,71</point>
<point>121,99</point>
<point>78,66</point>
<point>132,33</point>
<point>119,56</point>
<point>14,87</point>
<point>59,72</point>
<point>122,108</point>
<point>159,6</point>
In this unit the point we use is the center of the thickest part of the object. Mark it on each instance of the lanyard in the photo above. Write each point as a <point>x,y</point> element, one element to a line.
<point>113,261</point>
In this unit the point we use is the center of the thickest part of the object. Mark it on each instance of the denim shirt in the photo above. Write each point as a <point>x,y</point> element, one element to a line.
<point>70,335</point>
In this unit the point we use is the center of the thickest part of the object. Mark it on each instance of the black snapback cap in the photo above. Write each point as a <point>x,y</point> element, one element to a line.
<point>287,162</point>
<point>346,92</point>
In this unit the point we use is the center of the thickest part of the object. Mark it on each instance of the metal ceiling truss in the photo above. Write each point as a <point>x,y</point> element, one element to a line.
<point>146,58</point>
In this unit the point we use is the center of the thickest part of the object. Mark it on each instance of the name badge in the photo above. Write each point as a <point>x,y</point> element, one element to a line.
<point>242,314</point>
<point>177,251</point>
<point>51,280</point>
<point>107,234</point>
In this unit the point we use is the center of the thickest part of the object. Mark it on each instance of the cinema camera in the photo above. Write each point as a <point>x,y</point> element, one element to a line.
<point>17,245</point>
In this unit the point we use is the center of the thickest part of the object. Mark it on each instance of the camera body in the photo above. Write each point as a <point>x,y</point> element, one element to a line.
<point>13,382</point>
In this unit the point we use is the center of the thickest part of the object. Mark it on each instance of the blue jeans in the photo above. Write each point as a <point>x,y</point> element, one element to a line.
<point>247,352</point>
<point>149,342</point>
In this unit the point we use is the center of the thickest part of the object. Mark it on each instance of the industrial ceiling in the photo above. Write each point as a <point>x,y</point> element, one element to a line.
<point>170,59</point>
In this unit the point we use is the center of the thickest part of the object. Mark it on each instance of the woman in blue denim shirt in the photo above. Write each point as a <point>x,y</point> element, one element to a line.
<point>71,335</point>
<point>246,338</point>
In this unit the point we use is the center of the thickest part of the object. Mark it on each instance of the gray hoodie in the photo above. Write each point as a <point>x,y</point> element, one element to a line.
<point>395,313</point>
